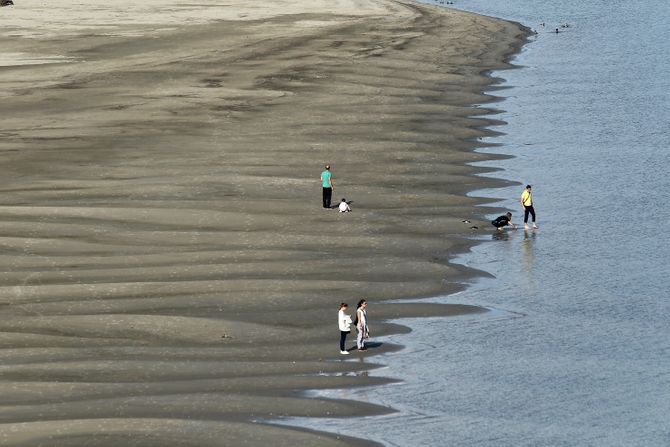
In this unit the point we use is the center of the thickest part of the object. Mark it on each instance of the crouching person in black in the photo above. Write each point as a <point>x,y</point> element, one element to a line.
<point>503,221</point>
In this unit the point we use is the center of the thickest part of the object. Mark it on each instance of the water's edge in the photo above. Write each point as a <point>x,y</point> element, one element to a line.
<point>469,275</point>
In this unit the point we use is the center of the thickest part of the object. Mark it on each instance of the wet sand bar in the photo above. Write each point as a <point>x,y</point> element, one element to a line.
<point>169,275</point>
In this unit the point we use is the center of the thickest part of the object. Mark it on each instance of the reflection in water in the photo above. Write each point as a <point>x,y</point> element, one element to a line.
<point>528,257</point>
<point>527,252</point>
<point>500,235</point>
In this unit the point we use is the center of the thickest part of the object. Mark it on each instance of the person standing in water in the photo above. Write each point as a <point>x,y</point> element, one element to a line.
<point>527,204</point>
<point>327,184</point>
<point>361,324</point>
<point>344,322</point>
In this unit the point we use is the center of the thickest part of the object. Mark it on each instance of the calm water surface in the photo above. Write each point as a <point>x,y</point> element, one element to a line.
<point>576,351</point>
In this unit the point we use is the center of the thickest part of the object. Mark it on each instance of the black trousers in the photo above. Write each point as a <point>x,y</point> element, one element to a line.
<point>526,211</point>
<point>327,195</point>
<point>343,339</point>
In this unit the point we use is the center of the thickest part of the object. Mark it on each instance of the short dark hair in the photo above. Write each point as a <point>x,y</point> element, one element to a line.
<point>528,186</point>
<point>509,214</point>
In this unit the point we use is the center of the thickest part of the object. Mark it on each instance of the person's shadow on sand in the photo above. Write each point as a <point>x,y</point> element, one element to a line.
<point>368,346</point>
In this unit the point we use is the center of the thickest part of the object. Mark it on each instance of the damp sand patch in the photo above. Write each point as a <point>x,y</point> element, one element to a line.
<point>18,59</point>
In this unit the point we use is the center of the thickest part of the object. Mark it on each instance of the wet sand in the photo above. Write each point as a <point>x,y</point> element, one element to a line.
<point>169,275</point>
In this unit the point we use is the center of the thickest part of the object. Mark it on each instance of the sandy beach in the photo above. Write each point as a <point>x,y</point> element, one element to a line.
<point>169,276</point>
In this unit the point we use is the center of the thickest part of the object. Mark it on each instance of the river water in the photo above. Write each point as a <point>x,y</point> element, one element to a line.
<point>576,349</point>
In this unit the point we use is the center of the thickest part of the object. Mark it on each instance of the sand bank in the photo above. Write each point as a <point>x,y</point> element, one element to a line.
<point>169,275</point>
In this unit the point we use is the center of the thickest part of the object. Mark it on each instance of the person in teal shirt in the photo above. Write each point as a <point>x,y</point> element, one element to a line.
<point>327,184</point>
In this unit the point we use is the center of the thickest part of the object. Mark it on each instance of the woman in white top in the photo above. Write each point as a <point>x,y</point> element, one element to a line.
<point>361,324</point>
<point>344,321</point>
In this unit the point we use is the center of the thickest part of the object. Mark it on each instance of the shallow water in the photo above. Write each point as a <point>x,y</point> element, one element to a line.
<point>577,351</point>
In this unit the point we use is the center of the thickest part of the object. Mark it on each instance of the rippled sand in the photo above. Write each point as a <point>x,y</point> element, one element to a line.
<point>168,274</point>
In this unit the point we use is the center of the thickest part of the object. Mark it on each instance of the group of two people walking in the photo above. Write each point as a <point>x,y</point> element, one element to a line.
<point>360,321</point>
<point>528,210</point>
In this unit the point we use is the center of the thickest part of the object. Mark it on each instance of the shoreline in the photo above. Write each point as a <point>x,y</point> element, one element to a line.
<point>170,265</point>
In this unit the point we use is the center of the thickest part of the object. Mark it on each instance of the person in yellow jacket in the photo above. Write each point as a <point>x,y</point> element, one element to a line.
<point>527,205</point>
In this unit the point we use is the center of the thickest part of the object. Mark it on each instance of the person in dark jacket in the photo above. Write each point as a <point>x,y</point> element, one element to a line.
<point>503,221</point>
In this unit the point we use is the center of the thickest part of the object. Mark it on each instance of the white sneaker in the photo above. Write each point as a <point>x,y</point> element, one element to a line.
<point>344,352</point>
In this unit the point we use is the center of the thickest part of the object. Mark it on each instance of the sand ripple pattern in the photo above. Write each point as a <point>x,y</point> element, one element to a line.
<point>168,274</point>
